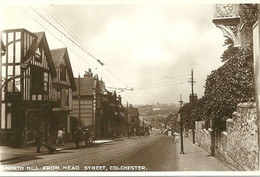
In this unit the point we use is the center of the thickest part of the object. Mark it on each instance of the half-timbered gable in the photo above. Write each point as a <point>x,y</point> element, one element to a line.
<point>27,72</point>
<point>64,82</point>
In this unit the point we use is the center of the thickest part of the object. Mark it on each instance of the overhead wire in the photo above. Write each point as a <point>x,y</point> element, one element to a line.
<point>75,44</point>
<point>79,44</point>
<point>98,60</point>
<point>65,44</point>
<point>138,89</point>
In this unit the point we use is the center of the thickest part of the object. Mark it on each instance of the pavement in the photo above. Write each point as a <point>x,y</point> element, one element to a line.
<point>9,153</point>
<point>196,159</point>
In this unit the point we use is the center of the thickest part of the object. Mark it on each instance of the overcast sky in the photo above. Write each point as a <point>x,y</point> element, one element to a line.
<point>148,47</point>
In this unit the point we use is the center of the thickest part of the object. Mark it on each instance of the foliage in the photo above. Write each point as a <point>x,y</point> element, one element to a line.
<point>186,114</point>
<point>234,81</point>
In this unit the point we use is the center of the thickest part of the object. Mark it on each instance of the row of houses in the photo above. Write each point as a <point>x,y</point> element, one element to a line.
<point>38,89</point>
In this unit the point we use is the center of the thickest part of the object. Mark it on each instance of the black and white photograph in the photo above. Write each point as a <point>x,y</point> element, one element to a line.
<point>123,87</point>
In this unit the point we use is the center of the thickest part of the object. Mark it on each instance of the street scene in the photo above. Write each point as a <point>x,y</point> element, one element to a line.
<point>129,87</point>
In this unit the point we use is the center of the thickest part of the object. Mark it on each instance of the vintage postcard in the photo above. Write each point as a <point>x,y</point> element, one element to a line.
<point>129,88</point>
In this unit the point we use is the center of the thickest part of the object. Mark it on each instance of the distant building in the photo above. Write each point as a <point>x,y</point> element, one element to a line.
<point>135,122</point>
<point>86,103</point>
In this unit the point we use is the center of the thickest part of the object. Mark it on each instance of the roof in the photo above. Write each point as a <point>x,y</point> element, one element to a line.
<point>133,111</point>
<point>87,86</point>
<point>102,86</point>
<point>40,37</point>
<point>57,56</point>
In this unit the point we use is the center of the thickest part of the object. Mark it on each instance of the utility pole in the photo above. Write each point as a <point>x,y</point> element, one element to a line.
<point>182,151</point>
<point>192,105</point>
<point>127,119</point>
<point>79,104</point>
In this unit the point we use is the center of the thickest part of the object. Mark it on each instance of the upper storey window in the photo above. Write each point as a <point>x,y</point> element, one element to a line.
<point>38,56</point>
<point>63,73</point>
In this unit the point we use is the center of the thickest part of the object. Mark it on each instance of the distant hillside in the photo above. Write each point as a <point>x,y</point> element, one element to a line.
<point>157,114</point>
<point>157,109</point>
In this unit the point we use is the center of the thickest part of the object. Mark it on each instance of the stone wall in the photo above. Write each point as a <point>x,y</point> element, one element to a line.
<point>203,139</point>
<point>242,145</point>
<point>237,146</point>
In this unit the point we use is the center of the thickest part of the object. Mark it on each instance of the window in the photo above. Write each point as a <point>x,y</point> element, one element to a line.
<point>38,56</point>
<point>37,80</point>
<point>3,116</point>
<point>9,120</point>
<point>46,82</point>
<point>67,97</point>
<point>63,73</point>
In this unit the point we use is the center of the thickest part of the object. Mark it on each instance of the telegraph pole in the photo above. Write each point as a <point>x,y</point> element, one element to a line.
<point>127,119</point>
<point>192,105</point>
<point>182,151</point>
<point>79,104</point>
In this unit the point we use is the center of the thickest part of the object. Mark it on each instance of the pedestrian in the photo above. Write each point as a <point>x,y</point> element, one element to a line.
<point>38,139</point>
<point>86,137</point>
<point>60,136</point>
<point>76,136</point>
<point>173,137</point>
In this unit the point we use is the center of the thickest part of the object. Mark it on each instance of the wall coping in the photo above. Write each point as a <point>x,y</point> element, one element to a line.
<point>236,114</point>
<point>229,120</point>
<point>247,105</point>
<point>205,130</point>
<point>224,133</point>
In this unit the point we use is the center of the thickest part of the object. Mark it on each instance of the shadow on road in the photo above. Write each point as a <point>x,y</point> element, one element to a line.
<point>30,157</point>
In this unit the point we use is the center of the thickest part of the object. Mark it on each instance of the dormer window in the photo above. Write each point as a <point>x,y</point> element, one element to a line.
<point>38,56</point>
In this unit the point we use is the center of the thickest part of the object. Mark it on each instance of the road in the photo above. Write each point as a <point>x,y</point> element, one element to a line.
<point>148,153</point>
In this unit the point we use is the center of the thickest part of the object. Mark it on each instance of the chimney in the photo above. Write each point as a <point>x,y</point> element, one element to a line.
<point>89,73</point>
<point>119,99</point>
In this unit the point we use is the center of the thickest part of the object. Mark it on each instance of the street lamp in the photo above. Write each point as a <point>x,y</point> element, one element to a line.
<point>182,151</point>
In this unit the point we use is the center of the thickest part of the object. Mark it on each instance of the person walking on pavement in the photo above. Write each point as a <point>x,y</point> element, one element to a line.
<point>60,136</point>
<point>86,137</point>
<point>38,139</point>
<point>173,137</point>
<point>76,136</point>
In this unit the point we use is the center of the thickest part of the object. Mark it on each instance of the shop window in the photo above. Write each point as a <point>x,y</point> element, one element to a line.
<point>9,120</point>
<point>3,116</point>
<point>39,97</point>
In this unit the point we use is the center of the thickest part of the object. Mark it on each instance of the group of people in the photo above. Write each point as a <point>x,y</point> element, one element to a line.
<point>78,136</point>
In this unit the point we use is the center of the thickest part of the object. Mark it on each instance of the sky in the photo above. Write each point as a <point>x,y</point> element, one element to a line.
<point>148,49</point>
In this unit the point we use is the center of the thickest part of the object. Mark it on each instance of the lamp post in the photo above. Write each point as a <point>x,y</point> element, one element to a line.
<point>182,151</point>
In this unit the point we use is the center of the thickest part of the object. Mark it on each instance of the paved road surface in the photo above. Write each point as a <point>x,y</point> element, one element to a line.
<point>149,153</point>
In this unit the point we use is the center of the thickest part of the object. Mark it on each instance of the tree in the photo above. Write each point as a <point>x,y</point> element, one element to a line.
<point>234,81</point>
